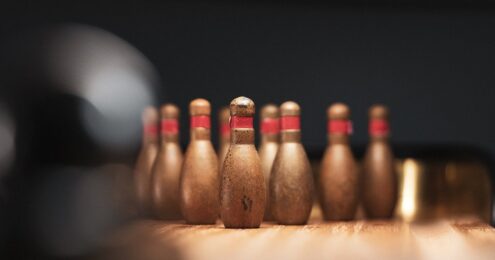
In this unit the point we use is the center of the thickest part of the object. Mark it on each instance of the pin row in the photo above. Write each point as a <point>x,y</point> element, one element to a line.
<point>244,186</point>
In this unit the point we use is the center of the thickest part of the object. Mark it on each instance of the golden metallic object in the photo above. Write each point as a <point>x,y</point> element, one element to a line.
<point>443,189</point>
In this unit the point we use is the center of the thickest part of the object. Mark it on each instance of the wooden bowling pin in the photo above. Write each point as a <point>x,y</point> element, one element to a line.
<point>269,131</point>
<point>291,182</point>
<point>243,185</point>
<point>199,183</point>
<point>167,167</point>
<point>224,134</point>
<point>146,158</point>
<point>379,177</point>
<point>339,176</point>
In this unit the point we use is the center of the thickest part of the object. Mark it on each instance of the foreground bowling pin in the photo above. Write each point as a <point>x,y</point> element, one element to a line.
<point>379,178</point>
<point>269,131</point>
<point>199,183</point>
<point>339,177</point>
<point>146,158</point>
<point>167,167</point>
<point>224,134</point>
<point>243,186</point>
<point>291,182</point>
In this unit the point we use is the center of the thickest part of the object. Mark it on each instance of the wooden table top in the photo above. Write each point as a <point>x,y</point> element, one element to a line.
<point>447,239</point>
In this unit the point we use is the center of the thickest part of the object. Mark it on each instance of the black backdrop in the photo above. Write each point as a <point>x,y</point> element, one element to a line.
<point>432,63</point>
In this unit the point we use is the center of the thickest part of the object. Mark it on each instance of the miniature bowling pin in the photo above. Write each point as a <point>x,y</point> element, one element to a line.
<point>339,176</point>
<point>146,158</point>
<point>243,185</point>
<point>199,183</point>
<point>167,167</point>
<point>291,182</point>
<point>379,178</point>
<point>269,131</point>
<point>224,134</point>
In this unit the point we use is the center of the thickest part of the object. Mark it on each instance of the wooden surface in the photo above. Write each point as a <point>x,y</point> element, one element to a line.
<point>454,239</point>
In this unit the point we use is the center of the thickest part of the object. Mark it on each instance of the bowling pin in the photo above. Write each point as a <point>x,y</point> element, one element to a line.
<point>243,185</point>
<point>339,176</point>
<point>291,182</point>
<point>269,131</point>
<point>224,134</point>
<point>379,177</point>
<point>146,158</point>
<point>167,167</point>
<point>199,183</point>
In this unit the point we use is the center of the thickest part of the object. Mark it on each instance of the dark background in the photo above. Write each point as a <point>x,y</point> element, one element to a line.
<point>431,62</point>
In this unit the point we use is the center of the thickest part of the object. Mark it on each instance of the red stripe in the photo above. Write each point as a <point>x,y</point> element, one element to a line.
<point>224,129</point>
<point>170,126</point>
<point>270,126</point>
<point>241,122</point>
<point>200,121</point>
<point>379,127</point>
<point>150,129</point>
<point>339,127</point>
<point>290,123</point>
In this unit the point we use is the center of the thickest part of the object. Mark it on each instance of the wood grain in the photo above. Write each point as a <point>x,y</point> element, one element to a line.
<point>448,239</point>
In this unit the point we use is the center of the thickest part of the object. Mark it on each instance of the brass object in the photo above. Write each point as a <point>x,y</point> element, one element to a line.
<point>243,186</point>
<point>199,183</point>
<point>146,158</point>
<point>268,147</point>
<point>379,177</point>
<point>167,167</point>
<point>443,189</point>
<point>339,177</point>
<point>291,181</point>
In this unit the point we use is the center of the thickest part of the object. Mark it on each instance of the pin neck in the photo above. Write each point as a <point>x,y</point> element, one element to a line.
<point>338,139</point>
<point>200,127</point>
<point>169,130</point>
<point>290,136</point>
<point>242,136</point>
<point>224,130</point>
<point>267,138</point>
<point>241,130</point>
<point>224,138</point>
<point>378,129</point>
<point>269,126</point>
<point>200,133</point>
<point>290,129</point>
<point>150,133</point>
<point>339,126</point>
<point>170,138</point>
<point>379,138</point>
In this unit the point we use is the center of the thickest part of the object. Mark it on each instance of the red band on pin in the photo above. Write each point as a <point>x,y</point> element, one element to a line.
<point>378,127</point>
<point>270,126</point>
<point>224,129</point>
<point>170,126</point>
<point>290,123</point>
<point>339,127</point>
<point>200,121</point>
<point>241,122</point>
<point>150,129</point>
